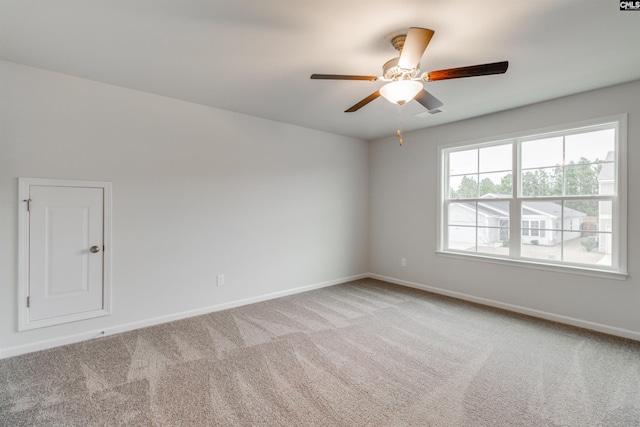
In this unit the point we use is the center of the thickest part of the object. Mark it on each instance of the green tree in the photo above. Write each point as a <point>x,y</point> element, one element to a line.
<point>556,181</point>
<point>530,184</point>
<point>540,183</point>
<point>582,178</point>
<point>487,186</point>
<point>576,178</point>
<point>506,185</point>
<point>468,188</point>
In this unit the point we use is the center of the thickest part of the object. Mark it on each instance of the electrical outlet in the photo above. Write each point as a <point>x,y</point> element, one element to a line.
<point>220,279</point>
<point>403,262</point>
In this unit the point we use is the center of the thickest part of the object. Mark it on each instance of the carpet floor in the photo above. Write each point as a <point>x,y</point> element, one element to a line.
<point>364,353</point>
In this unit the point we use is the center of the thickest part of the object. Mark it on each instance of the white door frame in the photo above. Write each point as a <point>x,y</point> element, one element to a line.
<point>23,252</point>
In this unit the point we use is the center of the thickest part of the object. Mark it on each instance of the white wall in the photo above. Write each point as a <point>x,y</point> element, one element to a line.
<point>403,220</point>
<point>196,192</point>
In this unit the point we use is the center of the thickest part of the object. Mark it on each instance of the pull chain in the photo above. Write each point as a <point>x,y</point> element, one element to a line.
<point>399,132</point>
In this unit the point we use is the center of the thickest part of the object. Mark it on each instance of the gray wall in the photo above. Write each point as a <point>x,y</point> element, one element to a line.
<point>196,192</point>
<point>403,217</point>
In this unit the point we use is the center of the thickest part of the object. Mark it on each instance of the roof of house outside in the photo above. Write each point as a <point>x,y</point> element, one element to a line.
<point>500,208</point>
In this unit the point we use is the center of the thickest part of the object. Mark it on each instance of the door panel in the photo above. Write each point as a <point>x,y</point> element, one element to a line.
<point>65,277</point>
<point>66,235</point>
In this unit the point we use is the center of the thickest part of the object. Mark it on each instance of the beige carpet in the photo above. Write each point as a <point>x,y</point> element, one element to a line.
<point>364,353</point>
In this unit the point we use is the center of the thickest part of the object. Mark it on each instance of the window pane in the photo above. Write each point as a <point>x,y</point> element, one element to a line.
<point>541,182</point>
<point>496,184</point>
<point>463,162</point>
<point>595,217</point>
<point>493,231</point>
<point>606,178</point>
<point>605,243</point>
<point>493,241</point>
<point>463,187</point>
<point>535,229</point>
<point>533,249</point>
<point>462,214</point>
<point>591,146</point>
<point>496,158</point>
<point>605,211</point>
<point>541,152</point>
<point>586,210</point>
<point>462,238</point>
<point>582,179</point>
<point>541,223</point>
<point>572,234</point>
<point>491,214</point>
<point>454,183</point>
<point>549,212</point>
<point>593,250</point>
<point>485,224</point>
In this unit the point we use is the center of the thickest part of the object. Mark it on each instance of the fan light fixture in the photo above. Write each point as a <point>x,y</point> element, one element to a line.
<point>401,91</point>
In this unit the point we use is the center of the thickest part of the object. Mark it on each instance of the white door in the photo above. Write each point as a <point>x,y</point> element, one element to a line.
<point>66,253</point>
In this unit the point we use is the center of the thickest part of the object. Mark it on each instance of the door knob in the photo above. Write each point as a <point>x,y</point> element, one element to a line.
<point>95,249</point>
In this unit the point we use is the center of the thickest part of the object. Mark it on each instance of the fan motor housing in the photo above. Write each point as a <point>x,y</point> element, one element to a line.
<point>391,70</point>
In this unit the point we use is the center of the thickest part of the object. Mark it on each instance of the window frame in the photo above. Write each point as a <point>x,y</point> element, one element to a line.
<point>618,269</point>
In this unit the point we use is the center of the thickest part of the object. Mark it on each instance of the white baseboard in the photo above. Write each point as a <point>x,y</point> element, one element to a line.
<point>71,339</point>
<point>585,324</point>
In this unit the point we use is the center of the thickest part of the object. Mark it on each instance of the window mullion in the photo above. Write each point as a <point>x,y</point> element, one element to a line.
<point>477,195</point>
<point>444,206</point>
<point>515,226</point>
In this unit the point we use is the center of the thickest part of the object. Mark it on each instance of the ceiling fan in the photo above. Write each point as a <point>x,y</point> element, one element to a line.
<point>404,77</point>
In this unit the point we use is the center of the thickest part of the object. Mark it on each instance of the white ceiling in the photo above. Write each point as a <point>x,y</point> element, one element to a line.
<point>256,56</point>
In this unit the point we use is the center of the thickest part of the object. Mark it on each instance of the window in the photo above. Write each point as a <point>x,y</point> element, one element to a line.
<point>533,228</point>
<point>552,198</point>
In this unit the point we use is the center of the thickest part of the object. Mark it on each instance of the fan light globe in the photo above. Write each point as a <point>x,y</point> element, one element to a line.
<point>401,91</point>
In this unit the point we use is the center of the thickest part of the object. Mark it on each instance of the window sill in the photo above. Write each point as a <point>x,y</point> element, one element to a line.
<point>591,272</point>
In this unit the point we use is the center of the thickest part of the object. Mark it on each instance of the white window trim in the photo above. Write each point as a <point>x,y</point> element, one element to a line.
<point>620,220</point>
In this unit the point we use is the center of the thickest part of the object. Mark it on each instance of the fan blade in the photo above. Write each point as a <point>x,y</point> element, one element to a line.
<point>429,101</point>
<point>471,71</point>
<point>364,102</point>
<point>414,46</point>
<point>342,77</point>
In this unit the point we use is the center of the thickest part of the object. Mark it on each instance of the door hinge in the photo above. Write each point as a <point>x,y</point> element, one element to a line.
<point>28,204</point>
<point>28,302</point>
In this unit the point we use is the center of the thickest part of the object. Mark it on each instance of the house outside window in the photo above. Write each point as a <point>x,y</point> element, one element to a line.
<point>550,198</point>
